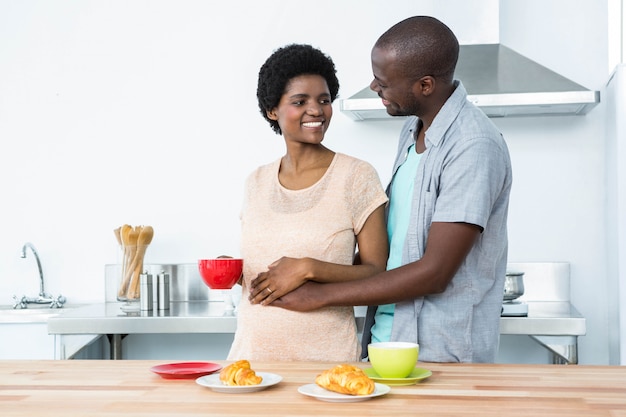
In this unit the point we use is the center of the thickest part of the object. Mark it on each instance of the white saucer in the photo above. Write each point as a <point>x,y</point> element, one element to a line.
<point>213,382</point>
<point>414,377</point>
<point>315,391</point>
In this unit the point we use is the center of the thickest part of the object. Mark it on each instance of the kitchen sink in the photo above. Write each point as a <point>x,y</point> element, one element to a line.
<point>32,314</point>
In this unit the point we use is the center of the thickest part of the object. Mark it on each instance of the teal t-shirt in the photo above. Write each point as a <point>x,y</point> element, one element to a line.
<point>397,226</point>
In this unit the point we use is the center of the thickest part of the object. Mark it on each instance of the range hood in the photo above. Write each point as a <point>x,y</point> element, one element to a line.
<point>502,83</point>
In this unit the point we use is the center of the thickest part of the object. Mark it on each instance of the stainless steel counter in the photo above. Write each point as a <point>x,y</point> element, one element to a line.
<point>555,325</point>
<point>552,321</point>
<point>108,318</point>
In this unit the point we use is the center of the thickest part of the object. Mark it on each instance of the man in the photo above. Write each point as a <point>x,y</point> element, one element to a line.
<point>448,208</point>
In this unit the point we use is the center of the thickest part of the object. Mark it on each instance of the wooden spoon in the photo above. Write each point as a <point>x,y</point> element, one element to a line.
<point>129,237</point>
<point>124,241</point>
<point>118,235</point>
<point>143,240</point>
<point>124,231</point>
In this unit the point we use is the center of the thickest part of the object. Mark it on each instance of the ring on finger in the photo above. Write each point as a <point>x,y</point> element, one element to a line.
<point>269,289</point>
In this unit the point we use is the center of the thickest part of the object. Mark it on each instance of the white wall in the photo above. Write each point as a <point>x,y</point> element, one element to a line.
<point>559,194</point>
<point>144,112</point>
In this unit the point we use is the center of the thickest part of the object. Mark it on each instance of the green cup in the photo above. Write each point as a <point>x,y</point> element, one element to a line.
<point>393,359</point>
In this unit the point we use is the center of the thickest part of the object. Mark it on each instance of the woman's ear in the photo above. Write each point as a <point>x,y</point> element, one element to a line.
<point>271,114</point>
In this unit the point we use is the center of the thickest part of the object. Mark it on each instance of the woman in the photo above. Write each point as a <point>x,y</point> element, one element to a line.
<point>302,216</point>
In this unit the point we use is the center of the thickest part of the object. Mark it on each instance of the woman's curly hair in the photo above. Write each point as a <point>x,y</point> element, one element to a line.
<point>289,62</point>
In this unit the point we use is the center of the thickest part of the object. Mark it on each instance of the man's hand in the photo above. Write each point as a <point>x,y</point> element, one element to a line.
<point>307,297</point>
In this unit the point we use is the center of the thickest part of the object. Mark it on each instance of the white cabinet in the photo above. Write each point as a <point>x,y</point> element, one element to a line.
<point>32,341</point>
<point>26,341</point>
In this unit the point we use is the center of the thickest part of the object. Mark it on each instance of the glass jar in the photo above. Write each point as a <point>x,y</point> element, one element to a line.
<point>132,257</point>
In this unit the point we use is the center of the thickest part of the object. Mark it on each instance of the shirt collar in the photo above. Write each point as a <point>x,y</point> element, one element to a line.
<point>446,115</point>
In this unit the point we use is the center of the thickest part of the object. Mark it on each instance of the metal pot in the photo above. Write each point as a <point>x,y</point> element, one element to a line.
<point>513,285</point>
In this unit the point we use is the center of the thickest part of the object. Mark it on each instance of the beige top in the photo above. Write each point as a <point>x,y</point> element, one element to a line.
<point>320,222</point>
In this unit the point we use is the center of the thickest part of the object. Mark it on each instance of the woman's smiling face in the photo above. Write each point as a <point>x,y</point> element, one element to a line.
<point>304,110</point>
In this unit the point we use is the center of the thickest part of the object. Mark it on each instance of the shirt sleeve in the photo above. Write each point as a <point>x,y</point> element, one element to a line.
<point>472,178</point>
<point>364,193</point>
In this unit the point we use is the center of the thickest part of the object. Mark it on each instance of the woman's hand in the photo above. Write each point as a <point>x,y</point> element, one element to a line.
<point>282,277</point>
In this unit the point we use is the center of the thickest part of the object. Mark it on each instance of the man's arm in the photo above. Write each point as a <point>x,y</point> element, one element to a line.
<point>287,274</point>
<point>447,246</point>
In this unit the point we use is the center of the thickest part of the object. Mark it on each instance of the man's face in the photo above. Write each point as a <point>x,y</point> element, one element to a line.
<point>394,88</point>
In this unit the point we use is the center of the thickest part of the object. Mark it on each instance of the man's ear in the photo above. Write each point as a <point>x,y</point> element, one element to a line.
<point>424,86</point>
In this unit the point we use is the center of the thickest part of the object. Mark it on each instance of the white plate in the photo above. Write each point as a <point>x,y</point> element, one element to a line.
<point>314,390</point>
<point>213,382</point>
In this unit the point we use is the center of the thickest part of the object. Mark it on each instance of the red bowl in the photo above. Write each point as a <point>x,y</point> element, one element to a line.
<point>220,273</point>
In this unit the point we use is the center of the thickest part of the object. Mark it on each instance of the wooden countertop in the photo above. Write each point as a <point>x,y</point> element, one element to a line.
<point>109,388</point>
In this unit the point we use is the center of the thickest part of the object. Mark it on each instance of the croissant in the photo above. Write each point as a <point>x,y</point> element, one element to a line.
<point>239,373</point>
<point>346,379</point>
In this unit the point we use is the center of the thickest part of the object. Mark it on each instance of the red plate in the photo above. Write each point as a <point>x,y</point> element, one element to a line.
<point>186,370</point>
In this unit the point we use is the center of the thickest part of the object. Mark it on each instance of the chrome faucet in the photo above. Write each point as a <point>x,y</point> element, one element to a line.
<point>28,245</point>
<point>43,297</point>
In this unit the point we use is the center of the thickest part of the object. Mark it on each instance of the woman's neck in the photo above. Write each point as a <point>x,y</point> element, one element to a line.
<point>301,169</point>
